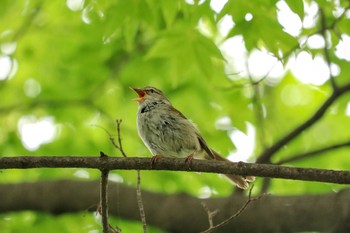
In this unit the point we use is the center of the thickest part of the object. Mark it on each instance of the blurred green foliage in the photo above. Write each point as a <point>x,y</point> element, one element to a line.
<point>76,63</point>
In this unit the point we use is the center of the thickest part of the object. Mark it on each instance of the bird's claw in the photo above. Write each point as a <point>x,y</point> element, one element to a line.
<point>188,160</point>
<point>154,159</point>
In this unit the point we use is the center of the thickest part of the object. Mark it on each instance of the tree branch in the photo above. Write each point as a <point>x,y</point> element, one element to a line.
<point>172,164</point>
<point>268,153</point>
<point>306,213</point>
<point>313,153</point>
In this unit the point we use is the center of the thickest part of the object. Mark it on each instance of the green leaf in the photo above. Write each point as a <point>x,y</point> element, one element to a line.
<point>208,47</point>
<point>169,10</point>
<point>166,47</point>
<point>297,6</point>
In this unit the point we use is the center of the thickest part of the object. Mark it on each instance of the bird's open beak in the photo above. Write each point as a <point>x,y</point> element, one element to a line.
<point>140,93</point>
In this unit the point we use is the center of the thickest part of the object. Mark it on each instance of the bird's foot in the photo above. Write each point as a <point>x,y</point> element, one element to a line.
<point>188,160</point>
<point>154,159</point>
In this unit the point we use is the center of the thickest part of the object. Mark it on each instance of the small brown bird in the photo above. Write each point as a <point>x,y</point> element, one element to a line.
<point>167,132</point>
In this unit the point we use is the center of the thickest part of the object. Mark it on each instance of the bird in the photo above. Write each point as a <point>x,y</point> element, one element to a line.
<point>166,132</point>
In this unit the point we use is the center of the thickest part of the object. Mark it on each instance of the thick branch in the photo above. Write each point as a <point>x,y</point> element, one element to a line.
<point>172,164</point>
<point>268,153</point>
<point>321,213</point>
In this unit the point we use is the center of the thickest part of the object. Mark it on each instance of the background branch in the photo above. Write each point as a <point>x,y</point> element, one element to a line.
<point>324,212</point>
<point>313,153</point>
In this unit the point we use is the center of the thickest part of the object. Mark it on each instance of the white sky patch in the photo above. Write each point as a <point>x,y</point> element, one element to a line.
<point>225,25</point>
<point>288,19</point>
<point>192,2</point>
<point>235,54</point>
<point>335,70</point>
<point>262,63</point>
<point>5,67</point>
<point>244,142</point>
<point>35,132</point>
<point>8,64</point>
<point>342,50</point>
<point>311,11</point>
<point>217,5</point>
<point>75,5</point>
<point>308,70</point>
<point>315,42</point>
<point>347,110</point>
<point>248,17</point>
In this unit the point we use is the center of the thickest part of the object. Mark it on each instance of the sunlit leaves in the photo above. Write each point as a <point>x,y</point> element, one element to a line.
<point>187,47</point>
<point>75,66</point>
<point>262,26</point>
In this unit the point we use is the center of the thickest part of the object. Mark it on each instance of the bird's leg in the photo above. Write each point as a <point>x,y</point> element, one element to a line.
<point>189,159</point>
<point>154,159</point>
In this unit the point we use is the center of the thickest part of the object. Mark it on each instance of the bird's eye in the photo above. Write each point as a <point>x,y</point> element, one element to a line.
<point>151,90</point>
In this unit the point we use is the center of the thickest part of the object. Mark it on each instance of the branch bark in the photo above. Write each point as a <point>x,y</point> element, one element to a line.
<point>321,213</point>
<point>172,164</point>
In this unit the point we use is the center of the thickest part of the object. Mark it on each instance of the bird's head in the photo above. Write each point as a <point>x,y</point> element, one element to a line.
<point>148,94</point>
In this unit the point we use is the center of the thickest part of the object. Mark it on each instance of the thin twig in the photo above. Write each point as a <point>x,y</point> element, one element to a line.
<point>111,138</point>
<point>120,146</point>
<point>140,203</point>
<point>238,213</point>
<point>211,214</point>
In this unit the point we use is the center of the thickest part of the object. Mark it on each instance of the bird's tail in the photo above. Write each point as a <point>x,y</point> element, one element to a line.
<point>239,181</point>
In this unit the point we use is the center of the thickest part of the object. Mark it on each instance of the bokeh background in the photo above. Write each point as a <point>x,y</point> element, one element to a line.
<point>246,72</point>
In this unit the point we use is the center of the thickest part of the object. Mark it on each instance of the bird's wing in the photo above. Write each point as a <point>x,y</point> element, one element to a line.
<point>205,146</point>
<point>202,143</point>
